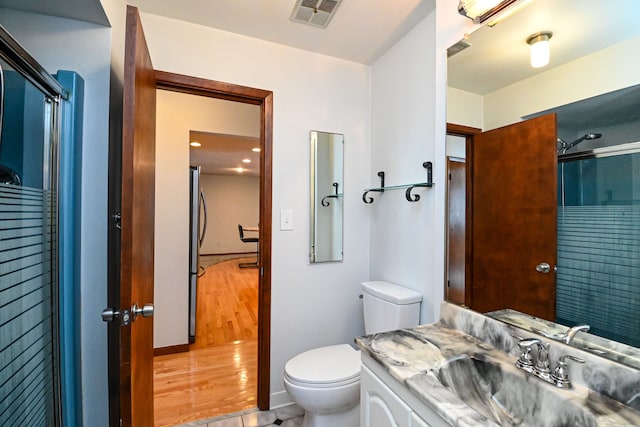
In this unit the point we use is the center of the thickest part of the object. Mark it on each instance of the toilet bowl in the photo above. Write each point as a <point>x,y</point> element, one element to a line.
<point>325,382</point>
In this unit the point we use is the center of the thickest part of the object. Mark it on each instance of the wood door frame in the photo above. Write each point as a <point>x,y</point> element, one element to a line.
<point>468,133</point>
<point>263,98</point>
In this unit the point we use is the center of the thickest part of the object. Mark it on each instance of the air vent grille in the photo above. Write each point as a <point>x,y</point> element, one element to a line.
<point>458,47</point>
<point>316,13</point>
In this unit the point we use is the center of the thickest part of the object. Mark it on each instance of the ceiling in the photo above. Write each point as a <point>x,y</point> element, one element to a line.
<point>81,10</point>
<point>360,31</point>
<point>499,55</point>
<point>222,154</point>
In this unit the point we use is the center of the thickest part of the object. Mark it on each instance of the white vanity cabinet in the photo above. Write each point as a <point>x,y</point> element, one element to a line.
<point>381,407</point>
<point>384,402</point>
<point>416,421</point>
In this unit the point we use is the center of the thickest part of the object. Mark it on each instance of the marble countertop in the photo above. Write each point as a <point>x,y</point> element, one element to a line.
<point>416,356</point>
<point>610,349</point>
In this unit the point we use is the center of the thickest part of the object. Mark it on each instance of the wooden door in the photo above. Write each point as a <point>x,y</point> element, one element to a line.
<point>456,224</point>
<point>514,200</point>
<point>131,251</point>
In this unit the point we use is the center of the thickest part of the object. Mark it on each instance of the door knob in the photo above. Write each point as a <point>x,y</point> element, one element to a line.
<point>543,267</point>
<point>144,311</point>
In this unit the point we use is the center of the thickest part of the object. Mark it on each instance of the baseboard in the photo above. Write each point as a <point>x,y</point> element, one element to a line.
<point>172,349</point>
<point>280,399</point>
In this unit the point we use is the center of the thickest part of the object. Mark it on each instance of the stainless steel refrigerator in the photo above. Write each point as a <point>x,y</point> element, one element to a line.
<point>197,231</point>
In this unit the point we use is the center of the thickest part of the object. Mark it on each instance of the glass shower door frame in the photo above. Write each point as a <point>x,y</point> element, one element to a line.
<point>53,94</point>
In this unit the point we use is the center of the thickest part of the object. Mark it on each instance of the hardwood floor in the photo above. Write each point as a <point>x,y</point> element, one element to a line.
<point>227,304</point>
<point>219,373</point>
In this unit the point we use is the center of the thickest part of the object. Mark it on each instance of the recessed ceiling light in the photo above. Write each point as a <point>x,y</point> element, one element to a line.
<point>246,160</point>
<point>195,144</point>
<point>256,149</point>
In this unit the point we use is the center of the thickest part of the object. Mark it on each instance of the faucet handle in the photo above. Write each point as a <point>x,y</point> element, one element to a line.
<point>560,374</point>
<point>528,342</point>
<point>525,361</point>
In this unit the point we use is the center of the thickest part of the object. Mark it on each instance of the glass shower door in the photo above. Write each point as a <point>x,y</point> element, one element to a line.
<point>28,298</point>
<point>598,281</point>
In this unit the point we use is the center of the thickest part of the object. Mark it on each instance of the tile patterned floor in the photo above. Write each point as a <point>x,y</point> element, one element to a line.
<point>288,416</point>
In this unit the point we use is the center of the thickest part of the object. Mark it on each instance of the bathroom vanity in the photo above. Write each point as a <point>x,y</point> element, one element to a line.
<point>461,371</point>
<point>385,402</point>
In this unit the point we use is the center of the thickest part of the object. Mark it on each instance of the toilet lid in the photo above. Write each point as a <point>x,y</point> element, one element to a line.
<point>333,364</point>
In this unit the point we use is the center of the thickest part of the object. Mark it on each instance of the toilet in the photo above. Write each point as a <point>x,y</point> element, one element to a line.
<point>325,381</point>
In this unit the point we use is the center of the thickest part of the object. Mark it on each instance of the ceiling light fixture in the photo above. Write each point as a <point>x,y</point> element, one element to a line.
<point>480,11</point>
<point>246,160</point>
<point>540,50</point>
<point>256,149</point>
<point>195,144</point>
<point>239,170</point>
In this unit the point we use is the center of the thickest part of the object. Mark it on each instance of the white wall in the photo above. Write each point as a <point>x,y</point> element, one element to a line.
<point>408,127</point>
<point>465,108</point>
<point>456,146</point>
<point>59,43</point>
<point>312,305</point>
<point>406,246</point>
<point>231,200</point>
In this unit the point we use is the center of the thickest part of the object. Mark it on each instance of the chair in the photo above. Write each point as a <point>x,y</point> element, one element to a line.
<point>249,240</point>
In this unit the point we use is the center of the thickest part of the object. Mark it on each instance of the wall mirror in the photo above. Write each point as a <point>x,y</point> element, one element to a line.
<point>326,189</point>
<point>592,84</point>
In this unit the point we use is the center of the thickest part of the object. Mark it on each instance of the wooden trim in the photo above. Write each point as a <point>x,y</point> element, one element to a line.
<point>211,88</point>
<point>263,98</point>
<point>264,288</point>
<point>171,349</point>
<point>461,130</point>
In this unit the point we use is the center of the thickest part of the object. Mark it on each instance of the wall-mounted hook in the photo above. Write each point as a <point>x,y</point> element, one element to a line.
<point>324,202</point>
<point>415,197</point>
<point>411,197</point>
<point>429,167</point>
<point>369,200</point>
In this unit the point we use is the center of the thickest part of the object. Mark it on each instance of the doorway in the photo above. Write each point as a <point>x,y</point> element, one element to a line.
<point>240,352</point>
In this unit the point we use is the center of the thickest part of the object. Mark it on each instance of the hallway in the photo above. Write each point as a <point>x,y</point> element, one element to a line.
<point>219,374</point>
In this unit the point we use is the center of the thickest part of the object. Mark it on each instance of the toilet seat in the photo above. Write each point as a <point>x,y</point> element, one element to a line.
<point>322,367</point>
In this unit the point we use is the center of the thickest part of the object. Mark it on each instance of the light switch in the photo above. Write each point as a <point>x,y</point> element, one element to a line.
<point>286,219</point>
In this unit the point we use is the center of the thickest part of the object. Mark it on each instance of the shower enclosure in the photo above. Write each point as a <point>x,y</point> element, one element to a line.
<point>598,279</point>
<point>35,320</point>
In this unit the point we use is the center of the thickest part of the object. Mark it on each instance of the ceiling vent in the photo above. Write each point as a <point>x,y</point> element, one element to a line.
<point>316,13</point>
<point>458,47</point>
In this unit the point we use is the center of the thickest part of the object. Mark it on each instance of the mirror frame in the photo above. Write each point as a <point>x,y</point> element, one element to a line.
<point>326,208</point>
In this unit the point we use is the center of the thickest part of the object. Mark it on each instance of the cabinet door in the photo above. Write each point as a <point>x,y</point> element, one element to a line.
<point>416,421</point>
<point>379,406</point>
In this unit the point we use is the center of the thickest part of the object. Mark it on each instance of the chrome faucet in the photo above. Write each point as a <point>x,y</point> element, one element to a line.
<point>571,332</point>
<point>540,365</point>
<point>525,361</point>
<point>543,367</point>
<point>560,375</point>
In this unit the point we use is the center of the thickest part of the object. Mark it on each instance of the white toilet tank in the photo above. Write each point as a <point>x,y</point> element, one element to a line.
<point>388,307</point>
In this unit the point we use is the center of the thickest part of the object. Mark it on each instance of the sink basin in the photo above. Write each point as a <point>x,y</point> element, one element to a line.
<point>510,397</point>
